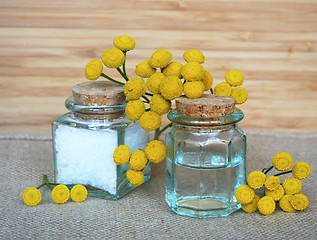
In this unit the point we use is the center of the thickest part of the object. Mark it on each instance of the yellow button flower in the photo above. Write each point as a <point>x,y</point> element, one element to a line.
<point>31,196</point>
<point>292,185</point>
<point>244,194</point>
<point>173,69</point>
<point>153,83</point>
<point>194,55</point>
<point>60,194</point>
<point>193,71</point>
<point>113,58</point>
<point>282,161</point>
<point>266,205</point>
<point>300,202</point>
<point>272,182</point>
<point>78,193</point>
<point>134,109</point>
<point>256,179</point>
<point>138,160</point>
<point>155,151</point>
<point>161,58</point>
<point>159,104</point>
<point>171,87</point>
<point>276,194</point>
<point>150,121</point>
<point>240,95</point>
<point>135,88</point>
<point>144,69</point>
<point>121,154</point>
<point>124,43</point>
<point>223,89</point>
<point>301,170</point>
<point>93,69</point>
<point>136,178</point>
<point>234,78</point>
<point>252,206</point>
<point>208,80</point>
<point>285,203</point>
<point>194,89</point>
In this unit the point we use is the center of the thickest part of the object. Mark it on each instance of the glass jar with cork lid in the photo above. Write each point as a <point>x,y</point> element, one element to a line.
<point>85,138</point>
<point>206,154</point>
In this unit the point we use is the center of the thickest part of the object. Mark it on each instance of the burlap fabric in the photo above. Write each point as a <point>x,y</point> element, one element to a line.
<point>142,214</point>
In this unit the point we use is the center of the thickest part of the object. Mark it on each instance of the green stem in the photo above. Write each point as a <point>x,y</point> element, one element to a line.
<point>278,174</point>
<point>148,109</point>
<point>41,186</point>
<point>46,182</point>
<point>146,99</point>
<point>269,169</point>
<point>149,94</point>
<point>125,58</point>
<point>212,92</point>
<point>157,134</point>
<point>122,74</point>
<point>166,127</point>
<point>111,79</point>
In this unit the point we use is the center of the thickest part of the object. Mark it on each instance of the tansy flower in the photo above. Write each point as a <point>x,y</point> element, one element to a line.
<point>285,203</point>
<point>266,205</point>
<point>244,194</point>
<point>171,87</point>
<point>276,194</point>
<point>113,58</point>
<point>173,69</point>
<point>193,71</point>
<point>292,185</point>
<point>208,80</point>
<point>153,83</point>
<point>159,104</point>
<point>138,160</point>
<point>301,170</point>
<point>124,43</point>
<point>150,121</point>
<point>272,182</point>
<point>93,69</point>
<point>300,202</point>
<point>60,194</point>
<point>134,109</point>
<point>252,206</point>
<point>144,69</point>
<point>78,193</point>
<point>161,58</point>
<point>155,151</point>
<point>31,196</point>
<point>194,55</point>
<point>282,161</point>
<point>223,89</point>
<point>136,178</point>
<point>135,88</point>
<point>234,78</point>
<point>240,95</point>
<point>121,154</point>
<point>194,89</point>
<point>256,179</point>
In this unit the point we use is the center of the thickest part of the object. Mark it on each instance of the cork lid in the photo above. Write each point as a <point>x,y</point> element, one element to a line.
<point>98,93</point>
<point>205,106</point>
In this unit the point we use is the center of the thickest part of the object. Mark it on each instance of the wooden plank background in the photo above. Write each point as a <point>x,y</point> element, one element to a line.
<point>45,45</point>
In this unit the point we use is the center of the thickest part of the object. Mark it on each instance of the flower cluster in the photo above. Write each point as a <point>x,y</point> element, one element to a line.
<point>287,194</point>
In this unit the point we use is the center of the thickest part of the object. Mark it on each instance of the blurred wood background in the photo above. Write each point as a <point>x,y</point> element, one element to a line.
<point>45,45</point>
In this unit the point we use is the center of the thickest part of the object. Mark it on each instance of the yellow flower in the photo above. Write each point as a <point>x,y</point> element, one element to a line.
<point>171,87</point>
<point>113,58</point>
<point>121,154</point>
<point>93,69</point>
<point>282,161</point>
<point>159,104</point>
<point>150,121</point>
<point>155,151</point>
<point>153,83</point>
<point>301,170</point>
<point>135,88</point>
<point>173,69</point>
<point>208,80</point>
<point>136,178</point>
<point>234,78</point>
<point>161,58</point>
<point>285,203</point>
<point>60,194</point>
<point>223,89</point>
<point>276,194</point>
<point>78,193</point>
<point>240,95</point>
<point>252,206</point>
<point>272,182</point>
<point>124,43</point>
<point>134,109</point>
<point>144,69</point>
<point>31,196</point>
<point>292,185</point>
<point>244,194</point>
<point>300,202</point>
<point>256,179</point>
<point>193,71</point>
<point>194,89</point>
<point>194,55</point>
<point>138,160</point>
<point>266,205</point>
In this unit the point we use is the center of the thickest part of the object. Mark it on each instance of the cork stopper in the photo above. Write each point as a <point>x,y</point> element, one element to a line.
<point>98,93</point>
<point>205,106</point>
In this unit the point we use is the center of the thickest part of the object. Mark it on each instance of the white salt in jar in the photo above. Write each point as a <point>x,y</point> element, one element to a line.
<point>85,138</point>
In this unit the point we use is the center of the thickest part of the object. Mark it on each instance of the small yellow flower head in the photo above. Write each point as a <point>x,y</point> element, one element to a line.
<point>31,196</point>
<point>121,155</point>
<point>193,71</point>
<point>155,151</point>
<point>256,179</point>
<point>124,43</point>
<point>301,170</point>
<point>234,78</point>
<point>252,206</point>
<point>285,203</point>
<point>138,160</point>
<point>244,194</point>
<point>93,69</point>
<point>266,205</point>
<point>282,161</point>
<point>60,194</point>
<point>134,109</point>
<point>194,55</point>
<point>135,88</point>
<point>194,89</point>
<point>161,58</point>
<point>159,104</point>
<point>113,58</point>
<point>171,87</point>
<point>78,193</point>
<point>300,202</point>
<point>173,69</point>
<point>240,95</point>
<point>292,185</point>
<point>136,178</point>
<point>153,83</point>
<point>208,81</point>
<point>223,89</point>
<point>276,194</point>
<point>150,121</point>
<point>272,182</point>
<point>144,69</point>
